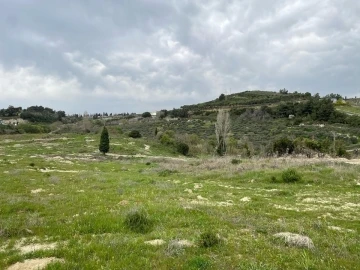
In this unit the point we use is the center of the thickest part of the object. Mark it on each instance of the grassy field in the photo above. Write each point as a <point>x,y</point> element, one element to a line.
<point>62,201</point>
<point>352,110</point>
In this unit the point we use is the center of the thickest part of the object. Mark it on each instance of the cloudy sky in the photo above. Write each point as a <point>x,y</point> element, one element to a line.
<point>144,55</point>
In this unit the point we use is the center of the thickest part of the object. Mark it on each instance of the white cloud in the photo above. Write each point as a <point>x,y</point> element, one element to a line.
<point>28,83</point>
<point>89,66</point>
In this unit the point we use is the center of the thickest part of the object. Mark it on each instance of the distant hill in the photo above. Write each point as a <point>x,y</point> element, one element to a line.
<point>258,119</point>
<point>250,99</point>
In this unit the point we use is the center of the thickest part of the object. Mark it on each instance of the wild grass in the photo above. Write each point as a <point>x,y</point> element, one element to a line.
<point>59,189</point>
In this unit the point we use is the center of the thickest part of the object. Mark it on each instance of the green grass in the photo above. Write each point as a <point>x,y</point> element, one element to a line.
<point>355,110</point>
<point>59,189</point>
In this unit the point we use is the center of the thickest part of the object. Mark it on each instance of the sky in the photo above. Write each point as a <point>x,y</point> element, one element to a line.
<point>146,55</point>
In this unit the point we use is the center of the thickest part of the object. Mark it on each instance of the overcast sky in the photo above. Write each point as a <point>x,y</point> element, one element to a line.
<point>146,55</point>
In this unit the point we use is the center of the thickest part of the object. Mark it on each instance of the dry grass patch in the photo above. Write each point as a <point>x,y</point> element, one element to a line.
<point>296,240</point>
<point>34,264</point>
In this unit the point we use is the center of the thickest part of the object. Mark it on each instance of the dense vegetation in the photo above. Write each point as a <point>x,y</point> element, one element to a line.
<point>41,114</point>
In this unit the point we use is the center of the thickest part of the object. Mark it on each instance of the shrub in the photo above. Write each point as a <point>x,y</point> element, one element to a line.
<point>235,161</point>
<point>208,239</point>
<point>290,176</point>
<point>33,128</point>
<point>137,220</point>
<point>166,139</point>
<point>341,152</point>
<point>135,134</point>
<point>182,148</point>
<point>273,179</point>
<point>283,146</point>
<point>354,140</point>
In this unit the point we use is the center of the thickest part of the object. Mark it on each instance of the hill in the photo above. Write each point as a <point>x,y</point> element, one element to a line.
<point>258,119</point>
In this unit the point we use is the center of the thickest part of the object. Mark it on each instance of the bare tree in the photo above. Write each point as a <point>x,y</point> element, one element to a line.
<point>222,128</point>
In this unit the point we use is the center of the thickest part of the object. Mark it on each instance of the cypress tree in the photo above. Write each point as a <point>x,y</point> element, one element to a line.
<point>104,141</point>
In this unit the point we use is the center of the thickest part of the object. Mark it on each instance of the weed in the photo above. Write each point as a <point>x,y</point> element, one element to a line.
<point>199,263</point>
<point>166,172</point>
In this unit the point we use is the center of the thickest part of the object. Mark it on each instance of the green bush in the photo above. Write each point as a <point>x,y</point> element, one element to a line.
<point>341,152</point>
<point>32,128</point>
<point>137,220</point>
<point>135,134</point>
<point>283,146</point>
<point>166,139</point>
<point>208,239</point>
<point>354,140</point>
<point>290,176</point>
<point>182,148</point>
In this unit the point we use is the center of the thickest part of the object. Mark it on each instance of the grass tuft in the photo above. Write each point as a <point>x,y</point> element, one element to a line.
<point>290,176</point>
<point>137,220</point>
<point>209,239</point>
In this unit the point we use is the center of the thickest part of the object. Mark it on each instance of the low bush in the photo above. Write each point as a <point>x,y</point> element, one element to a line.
<point>235,161</point>
<point>283,146</point>
<point>135,134</point>
<point>290,176</point>
<point>182,148</point>
<point>137,220</point>
<point>33,128</point>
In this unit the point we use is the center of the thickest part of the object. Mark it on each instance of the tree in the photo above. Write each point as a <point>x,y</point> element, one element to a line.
<point>222,97</point>
<point>146,114</point>
<point>283,91</point>
<point>222,128</point>
<point>104,141</point>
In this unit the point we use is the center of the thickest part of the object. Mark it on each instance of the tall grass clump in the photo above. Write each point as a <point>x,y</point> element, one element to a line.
<point>137,220</point>
<point>208,239</point>
<point>290,176</point>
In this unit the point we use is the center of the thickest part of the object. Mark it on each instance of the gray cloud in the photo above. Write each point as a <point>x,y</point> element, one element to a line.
<point>150,54</point>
